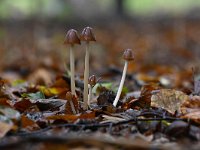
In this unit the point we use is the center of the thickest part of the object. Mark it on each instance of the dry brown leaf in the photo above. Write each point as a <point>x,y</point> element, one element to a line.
<point>4,128</point>
<point>195,116</point>
<point>191,109</point>
<point>28,123</point>
<point>90,115</point>
<point>41,76</point>
<point>169,99</point>
<point>144,100</point>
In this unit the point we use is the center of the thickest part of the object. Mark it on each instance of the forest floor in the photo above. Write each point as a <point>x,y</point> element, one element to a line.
<point>159,107</point>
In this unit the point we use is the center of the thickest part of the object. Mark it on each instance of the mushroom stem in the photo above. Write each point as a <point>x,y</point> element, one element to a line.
<point>121,84</point>
<point>90,94</point>
<point>72,70</point>
<point>86,76</point>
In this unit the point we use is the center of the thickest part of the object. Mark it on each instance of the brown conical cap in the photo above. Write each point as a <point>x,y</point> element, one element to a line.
<point>72,37</point>
<point>87,34</point>
<point>92,80</point>
<point>128,55</point>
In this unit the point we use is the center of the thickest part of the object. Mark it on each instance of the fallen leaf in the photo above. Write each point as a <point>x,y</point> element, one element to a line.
<point>169,99</point>
<point>34,96</point>
<point>9,113</point>
<point>5,102</point>
<point>28,123</point>
<point>144,99</point>
<point>177,129</point>
<point>52,91</point>
<point>4,128</point>
<point>22,105</point>
<point>191,109</point>
<point>72,118</point>
<point>41,76</point>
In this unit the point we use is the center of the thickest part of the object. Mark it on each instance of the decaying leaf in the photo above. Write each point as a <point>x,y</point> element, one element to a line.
<point>74,104</point>
<point>52,91</point>
<point>169,99</point>
<point>90,115</point>
<point>34,96</point>
<point>28,123</point>
<point>106,98</point>
<point>177,129</point>
<point>4,128</point>
<point>41,76</point>
<point>191,109</point>
<point>22,105</point>
<point>144,99</point>
<point>9,113</point>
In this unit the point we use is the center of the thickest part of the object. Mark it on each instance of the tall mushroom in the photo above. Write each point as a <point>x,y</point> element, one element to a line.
<point>127,56</point>
<point>87,36</point>
<point>72,39</point>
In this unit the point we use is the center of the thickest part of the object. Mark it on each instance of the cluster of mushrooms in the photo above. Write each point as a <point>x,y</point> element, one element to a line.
<point>87,35</point>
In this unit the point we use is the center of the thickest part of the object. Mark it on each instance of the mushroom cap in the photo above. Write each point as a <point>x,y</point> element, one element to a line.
<point>87,34</point>
<point>69,96</point>
<point>72,37</point>
<point>128,55</point>
<point>92,80</point>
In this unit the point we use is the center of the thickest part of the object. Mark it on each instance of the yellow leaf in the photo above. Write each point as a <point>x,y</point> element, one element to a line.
<point>51,91</point>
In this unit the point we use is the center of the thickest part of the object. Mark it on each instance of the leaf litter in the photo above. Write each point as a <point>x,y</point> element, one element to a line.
<point>157,109</point>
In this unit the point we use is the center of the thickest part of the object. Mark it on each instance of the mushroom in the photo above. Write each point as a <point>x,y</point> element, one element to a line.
<point>127,56</point>
<point>69,97</point>
<point>87,36</point>
<point>92,82</point>
<point>72,39</point>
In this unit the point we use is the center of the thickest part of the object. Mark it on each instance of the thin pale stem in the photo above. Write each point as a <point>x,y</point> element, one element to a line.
<point>72,71</point>
<point>121,84</point>
<point>86,76</point>
<point>89,95</point>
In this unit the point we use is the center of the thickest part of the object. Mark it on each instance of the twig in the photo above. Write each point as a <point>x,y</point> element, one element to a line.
<point>95,125</point>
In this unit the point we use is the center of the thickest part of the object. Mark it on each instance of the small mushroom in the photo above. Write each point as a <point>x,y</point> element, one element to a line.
<point>127,56</point>
<point>87,36</point>
<point>72,39</point>
<point>92,82</point>
<point>69,97</point>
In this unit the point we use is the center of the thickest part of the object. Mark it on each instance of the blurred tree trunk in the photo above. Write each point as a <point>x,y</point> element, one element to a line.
<point>120,7</point>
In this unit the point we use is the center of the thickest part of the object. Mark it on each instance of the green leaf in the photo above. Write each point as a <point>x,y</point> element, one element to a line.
<point>106,85</point>
<point>34,96</point>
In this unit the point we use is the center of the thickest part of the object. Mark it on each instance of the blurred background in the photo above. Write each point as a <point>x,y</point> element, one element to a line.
<point>164,34</point>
